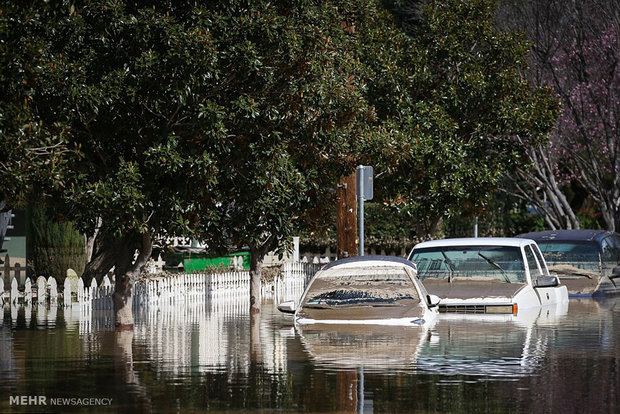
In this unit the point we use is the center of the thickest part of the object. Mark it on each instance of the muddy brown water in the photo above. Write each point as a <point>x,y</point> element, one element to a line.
<point>212,357</point>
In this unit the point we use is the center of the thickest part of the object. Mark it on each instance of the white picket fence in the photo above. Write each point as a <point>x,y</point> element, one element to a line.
<point>220,286</point>
<point>291,282</point>
<point>175,289</point>
<point>44,290</point>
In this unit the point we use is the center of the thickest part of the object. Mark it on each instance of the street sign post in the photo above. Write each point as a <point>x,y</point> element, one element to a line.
<point>364,189</point>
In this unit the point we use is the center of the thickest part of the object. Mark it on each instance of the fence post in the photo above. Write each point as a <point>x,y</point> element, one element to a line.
<point>80,291</point>
<point>6,275</point>
<point>28,291</point>
<point>41,288</point>
<point>18,272</point>
<point>52,288</point>
<point>94,297</point>
<point>14,291</point>
<point>67,293</point>
<point>106,289</point>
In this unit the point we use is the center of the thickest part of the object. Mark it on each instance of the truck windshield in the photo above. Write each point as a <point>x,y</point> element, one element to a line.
<point>582,255</point>
<point>504,263</point>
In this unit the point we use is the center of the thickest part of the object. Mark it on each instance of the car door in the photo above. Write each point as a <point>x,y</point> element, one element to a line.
<point>610,248</point>
<point>533,265</point>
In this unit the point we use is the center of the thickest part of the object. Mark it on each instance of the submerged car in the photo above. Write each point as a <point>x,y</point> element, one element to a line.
<point>587,261</point>
<point>487,275</point>
<point>365,290</point>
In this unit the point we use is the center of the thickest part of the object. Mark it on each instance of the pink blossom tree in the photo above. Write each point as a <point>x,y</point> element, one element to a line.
<point>576,51</point>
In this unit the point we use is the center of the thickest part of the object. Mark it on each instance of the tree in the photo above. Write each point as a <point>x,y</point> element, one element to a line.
<point>218,121</point>
<point>127,89</point>
<point>232,121</point>
<point>453,102</point>
<point>576,52</point>
<point>294,119</point>
<point>53,247</point>
<point>33,157</point>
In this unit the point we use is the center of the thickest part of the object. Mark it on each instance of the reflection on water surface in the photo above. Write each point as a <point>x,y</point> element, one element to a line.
<point>209,356</point>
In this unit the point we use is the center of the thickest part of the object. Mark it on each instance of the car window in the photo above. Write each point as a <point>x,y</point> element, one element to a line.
<point>531,262</point>
<point>504,263</point>
<point>541,260</point>
<point>360,286</point>
<point>615,242</point>
<point>611,250</point>
<point>579,254</point>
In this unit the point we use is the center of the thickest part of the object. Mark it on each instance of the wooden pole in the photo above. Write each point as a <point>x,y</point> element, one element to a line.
<point>346,225</point>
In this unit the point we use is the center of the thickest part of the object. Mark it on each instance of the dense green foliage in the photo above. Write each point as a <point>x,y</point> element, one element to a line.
<point>32,155</point>
<point>386,229</point>
<point>232,121</point>
<point>132,88</point>
<point>294,115</point>
<point>453,99</point>
<point>53,247</point>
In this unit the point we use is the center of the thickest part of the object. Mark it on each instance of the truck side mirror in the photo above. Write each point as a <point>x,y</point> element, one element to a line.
<point>547,281</point>
<point>433,300</point>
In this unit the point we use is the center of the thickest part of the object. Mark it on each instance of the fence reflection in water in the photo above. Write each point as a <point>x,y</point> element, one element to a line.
<point>184,320</point>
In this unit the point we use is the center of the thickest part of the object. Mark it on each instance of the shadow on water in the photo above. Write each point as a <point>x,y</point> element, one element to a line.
<point>210,355</point>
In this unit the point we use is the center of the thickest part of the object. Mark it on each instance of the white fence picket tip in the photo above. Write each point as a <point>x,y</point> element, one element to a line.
<point>14,290</point>
<point>80,291</point>
<point>52,287</point>
<point>28,291</point>
<point>67,293</point>
<point>41,289</point>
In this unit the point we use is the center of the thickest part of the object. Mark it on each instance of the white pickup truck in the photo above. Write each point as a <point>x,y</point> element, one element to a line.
<point>487,275</point>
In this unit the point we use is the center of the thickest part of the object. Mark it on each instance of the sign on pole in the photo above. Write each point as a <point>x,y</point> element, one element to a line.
<point>364,189</point>
<point>364,182</point>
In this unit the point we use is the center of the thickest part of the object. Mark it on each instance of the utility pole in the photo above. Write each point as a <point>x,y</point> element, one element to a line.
<point>346,225</point>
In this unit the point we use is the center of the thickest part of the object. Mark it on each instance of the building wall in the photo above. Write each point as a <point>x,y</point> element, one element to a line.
<point>15,245</point>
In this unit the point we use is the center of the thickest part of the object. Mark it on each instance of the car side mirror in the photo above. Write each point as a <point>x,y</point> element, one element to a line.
<point>615,272</point>
<point>287,307</point>
<point>433,300</point>
<point>547,281</point>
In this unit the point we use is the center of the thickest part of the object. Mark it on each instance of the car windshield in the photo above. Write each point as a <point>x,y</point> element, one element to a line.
<point>582,255</point>
<point>504,263</point>
<point>360,286</point>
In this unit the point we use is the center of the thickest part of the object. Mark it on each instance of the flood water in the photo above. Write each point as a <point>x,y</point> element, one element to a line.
<point>210,356</point>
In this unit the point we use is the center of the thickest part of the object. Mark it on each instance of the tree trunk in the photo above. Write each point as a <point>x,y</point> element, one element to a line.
<point>121,299</point>
<point>90,241</point>
<point>126,272</point>
<point>609,218</point>
<point>256,257</point>
<point>256,357</point>
<point>426,229</point>
<point>107,255</point>
<point>538,186</point>
<point>119,254</point>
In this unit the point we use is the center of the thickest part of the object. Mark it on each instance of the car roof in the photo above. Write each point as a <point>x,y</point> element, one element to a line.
<point>567,235</point>
<point>475,241</point>
<point>371,261</point>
